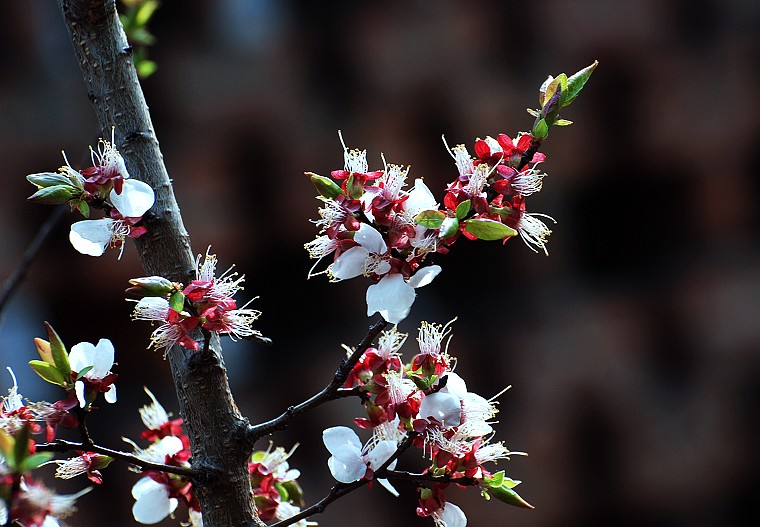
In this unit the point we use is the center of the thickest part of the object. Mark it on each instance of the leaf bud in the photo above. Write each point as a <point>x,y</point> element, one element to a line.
<point>151,286</point>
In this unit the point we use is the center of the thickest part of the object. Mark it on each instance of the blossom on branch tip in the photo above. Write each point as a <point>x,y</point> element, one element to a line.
<point>96,362</point>
<point>393,296</point>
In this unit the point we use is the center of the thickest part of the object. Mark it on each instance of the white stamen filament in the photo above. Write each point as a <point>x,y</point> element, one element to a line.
<point>534,232</point>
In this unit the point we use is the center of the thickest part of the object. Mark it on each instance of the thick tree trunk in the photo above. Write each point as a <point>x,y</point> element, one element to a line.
<point>213,422</point>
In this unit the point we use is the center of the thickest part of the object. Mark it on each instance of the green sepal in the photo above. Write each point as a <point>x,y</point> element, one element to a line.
<point>462,209</point>
<point>540,129</point>
<point>48,179</point>
<point>485,229</point>
<point>430,219</point>
<point>35,461</point>
<point>58,351</point>
<point>177,301</point>
<point>325,186</point>
<point>54,195</point>
<point>576,82</point>
<point>48,372</point>
<point>84,371</point>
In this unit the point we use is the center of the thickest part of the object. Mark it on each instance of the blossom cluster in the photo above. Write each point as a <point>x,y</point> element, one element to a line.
<point>423,401</point>
<point>157,494</point>
<point>105,185</point>
<point>371,226</point>
<point>23,498</point>
<point>205,303</point>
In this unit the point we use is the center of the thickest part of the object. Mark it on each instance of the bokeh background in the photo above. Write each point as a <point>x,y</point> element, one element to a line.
<point>632,350</point>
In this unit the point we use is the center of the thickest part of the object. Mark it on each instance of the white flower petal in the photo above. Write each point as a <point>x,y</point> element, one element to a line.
<point>102,359</point>
<point>420,198</point>
<point>388,486</point>
<point>91,237</point>
<point>79,390</point>
<point>424,276</point>
<point>110,395</point>
<point>135,199</point>
<point>81,356</point>
<point>445,408</point>
<point>369,238</point>
<point>349,264</point>
<point>392,297</point>
<point>380,453</point>
<point>351,470</point>
<point>153,502</point>
<point>453,516</point>
<point>337,437</point>
<point>455,385</point>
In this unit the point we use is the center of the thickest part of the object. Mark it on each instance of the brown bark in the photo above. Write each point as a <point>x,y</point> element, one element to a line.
<point>214,424</point>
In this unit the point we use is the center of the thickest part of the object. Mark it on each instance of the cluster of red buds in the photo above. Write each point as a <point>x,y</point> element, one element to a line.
<point>425,401</point>
<point>105,185</point>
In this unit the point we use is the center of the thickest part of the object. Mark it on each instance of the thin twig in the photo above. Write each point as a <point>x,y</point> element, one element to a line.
<point>62,445</point>
<point>19,273</point>
<point>330,392</point>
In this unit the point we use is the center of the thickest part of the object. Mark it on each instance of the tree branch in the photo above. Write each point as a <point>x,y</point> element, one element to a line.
<point>330,392</point>
<point>211,416</point>
<point>19,273</point>
<point>62,445</point>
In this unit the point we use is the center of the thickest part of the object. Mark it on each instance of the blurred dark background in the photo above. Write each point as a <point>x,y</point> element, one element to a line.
<point>632,350</point>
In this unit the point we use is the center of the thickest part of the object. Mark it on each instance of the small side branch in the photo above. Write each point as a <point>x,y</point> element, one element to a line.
<point>330,392</point>
<point>62,445</point>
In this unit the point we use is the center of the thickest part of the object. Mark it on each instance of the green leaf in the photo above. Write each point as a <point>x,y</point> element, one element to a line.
<point>35,461</point>
<point>21,447</point>
<point>58,351</point>
<point>325,186</point>
<point>430,219</point>
<point>145,12</point>
<point>48,179</point>
<point>510,497</point>
<point>145,68</point>
<point>177,301</point>
<point>462,209</point>
<point>485,229</point>
<point>55,195</point>
<point>84,371</point>
<point>48,372</point>
<point>449,227</point>
<point>576,82</point>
